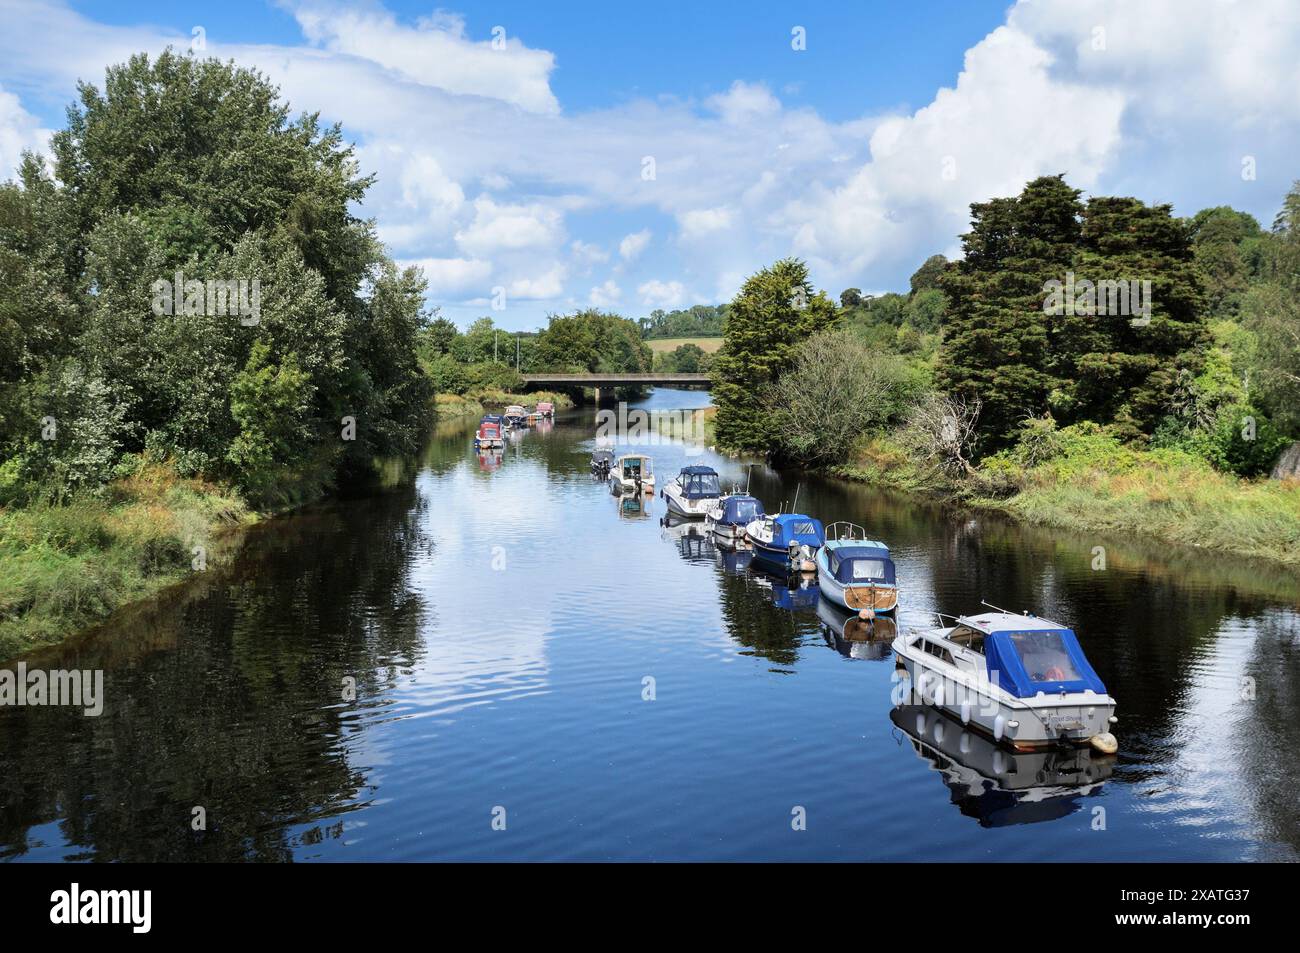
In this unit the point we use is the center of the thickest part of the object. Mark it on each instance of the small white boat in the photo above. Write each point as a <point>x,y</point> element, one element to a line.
<point>1020,679</point>
<point>694,492</point>
<point>856,572</point>
<point>632,473</point>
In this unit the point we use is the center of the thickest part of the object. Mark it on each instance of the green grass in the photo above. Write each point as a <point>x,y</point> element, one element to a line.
<point>664,345</point>
<point>65,567</point>
<point>1089,481</point>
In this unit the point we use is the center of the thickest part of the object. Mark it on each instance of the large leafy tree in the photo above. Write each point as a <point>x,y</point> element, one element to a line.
<point>997,346</point>
<point>775,311</point>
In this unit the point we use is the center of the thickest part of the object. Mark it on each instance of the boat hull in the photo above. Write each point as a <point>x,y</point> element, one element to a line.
<point>687,509</point>
<point>1021,723</point>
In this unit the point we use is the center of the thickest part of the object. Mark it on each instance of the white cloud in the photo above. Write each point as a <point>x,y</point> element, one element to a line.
<point>19,131</point>
<point>702,221</point>
<point>478,168</point>
<point>588,254</point>
<point>453,276</point>
<point>662,294</point>
<point>630,248</point>
<point>503,227</point>
<point>744,102</point>
<point>543,287</point>
<point>605,296</point>
<point>435,52</point>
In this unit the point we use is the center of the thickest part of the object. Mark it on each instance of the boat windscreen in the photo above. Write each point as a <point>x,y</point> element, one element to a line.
<point>868,568</point>
<point>740,512</point>
<point>700,485</point>
<point>1039,660</point>
<point>1044,656</point>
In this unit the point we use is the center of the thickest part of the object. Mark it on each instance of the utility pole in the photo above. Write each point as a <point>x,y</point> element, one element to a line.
<point>516,352</point>
<point>494,346</point>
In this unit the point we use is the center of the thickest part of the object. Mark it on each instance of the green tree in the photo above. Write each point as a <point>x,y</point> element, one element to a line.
<point>927,277</point>
<point>775,310</point>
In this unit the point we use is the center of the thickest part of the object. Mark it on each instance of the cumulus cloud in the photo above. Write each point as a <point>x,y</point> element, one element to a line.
<point>19,131</point>
<point>662,294</point>
<point>633,245</point>
<point>605,296</point>
<point>435,52</point>
<point>482,175</point>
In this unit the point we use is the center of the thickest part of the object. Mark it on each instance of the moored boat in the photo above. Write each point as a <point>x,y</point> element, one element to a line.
<point>787,540</point>
<point>601,462</point>
<point>693,492</point>
<point>856,572</point>
<point>1021,679</point>
<point>546,409</point>
<point>516,415</point>
<point>632,473</point>
<point>729,516</point>
<point>488,436</point>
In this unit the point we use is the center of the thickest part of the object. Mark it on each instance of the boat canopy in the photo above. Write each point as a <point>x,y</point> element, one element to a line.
<point>633,466</point>
<point>1026,662</point>
<point>544,405</point>
<point>493,419</point>
<point>788,528</point>
<point>602,456</point>
<point>740,510</point>
<point>699,483</point>
<point>861,564</point>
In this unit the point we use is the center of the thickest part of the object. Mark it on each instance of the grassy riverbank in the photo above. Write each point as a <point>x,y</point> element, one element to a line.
<point>65,567</point>
<point>1089,481</point>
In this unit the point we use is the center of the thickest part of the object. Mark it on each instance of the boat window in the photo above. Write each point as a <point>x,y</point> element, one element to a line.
<point>938,651</point>
<point>835,564</point>
<point>802,529</point>
<point>1044,656</point>
<point>970,638</point>
<point>868,568</point>
<point>746,511</point>
<point>705,484</point>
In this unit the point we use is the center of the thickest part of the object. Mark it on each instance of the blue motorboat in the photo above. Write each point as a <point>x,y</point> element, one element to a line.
<point>731,514</point>
<point>788,541</point>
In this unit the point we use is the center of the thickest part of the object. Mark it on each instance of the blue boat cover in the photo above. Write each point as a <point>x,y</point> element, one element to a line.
<point>795,597</point>
<point>796,528</point>
<point>740,510</point>
<point>861,564</point>
<point>493,419</point>
<point>699,482</point>
<point>1039,660</point>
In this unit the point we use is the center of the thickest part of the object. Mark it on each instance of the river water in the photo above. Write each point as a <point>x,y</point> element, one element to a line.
<point>542,675</point>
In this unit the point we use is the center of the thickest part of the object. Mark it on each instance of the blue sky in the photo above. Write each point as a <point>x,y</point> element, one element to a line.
<point>519,174</point>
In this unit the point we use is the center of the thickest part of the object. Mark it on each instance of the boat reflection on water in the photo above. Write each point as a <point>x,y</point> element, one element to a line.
<point>693,540</point>
<point>489,459</point>
<point>633,506</point>
<point>993,784</point>
<point>855,637</point>
<point>790,592</point>
<point>733,559</point>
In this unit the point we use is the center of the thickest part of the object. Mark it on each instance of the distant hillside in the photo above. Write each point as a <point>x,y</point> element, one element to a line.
<point>700,321</point>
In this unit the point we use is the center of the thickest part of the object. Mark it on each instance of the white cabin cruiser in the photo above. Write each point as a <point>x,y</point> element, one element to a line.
<point>1021,679</point>
<point>693,493</point>
<point>632,473</point>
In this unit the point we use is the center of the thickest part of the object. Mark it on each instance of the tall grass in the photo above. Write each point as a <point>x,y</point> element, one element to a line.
<point>64,567</point>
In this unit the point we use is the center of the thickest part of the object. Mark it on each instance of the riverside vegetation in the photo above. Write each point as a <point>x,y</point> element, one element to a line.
<point>969,388</point>
<point>133,436</point>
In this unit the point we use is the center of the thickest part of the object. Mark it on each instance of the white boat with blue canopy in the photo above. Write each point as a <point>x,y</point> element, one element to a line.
<point>855,571</point>
<point>694,492</point>
<point>786,540</point>
<point>1019,678</point>
<point>731,514</point>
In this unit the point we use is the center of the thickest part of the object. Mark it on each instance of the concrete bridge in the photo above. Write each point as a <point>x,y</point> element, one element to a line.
<point>615,380</point>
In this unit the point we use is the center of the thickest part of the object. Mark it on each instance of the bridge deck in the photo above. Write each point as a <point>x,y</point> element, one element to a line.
<point>613,380</point>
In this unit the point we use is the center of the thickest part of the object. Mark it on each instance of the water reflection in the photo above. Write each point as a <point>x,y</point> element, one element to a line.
<point>694,542</point>
<point>499,622</point>
<point>855,637</point>
<point>995,785</point>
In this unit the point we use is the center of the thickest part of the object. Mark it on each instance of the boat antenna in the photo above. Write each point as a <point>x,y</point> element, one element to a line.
<point>749,475</point>
<point>795,508</point>
<point>985,602</point>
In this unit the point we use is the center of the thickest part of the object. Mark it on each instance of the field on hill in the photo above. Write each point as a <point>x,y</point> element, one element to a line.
<point>664,345</point>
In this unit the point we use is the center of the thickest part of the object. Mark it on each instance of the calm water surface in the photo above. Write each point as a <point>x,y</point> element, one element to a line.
<point>501,620</point>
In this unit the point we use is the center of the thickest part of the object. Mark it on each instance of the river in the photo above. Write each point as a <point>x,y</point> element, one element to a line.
<point>492,660</point>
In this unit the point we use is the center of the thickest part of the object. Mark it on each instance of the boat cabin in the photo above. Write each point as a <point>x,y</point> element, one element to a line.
<point>1027,654</point>
<point>699,483</point>
<point>794,529</point>
<point>860,563</point>
<point>633,466</point>
<point>740,510</point>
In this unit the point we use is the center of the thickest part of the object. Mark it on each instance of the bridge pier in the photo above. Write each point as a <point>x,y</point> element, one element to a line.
<point>598,396</point>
